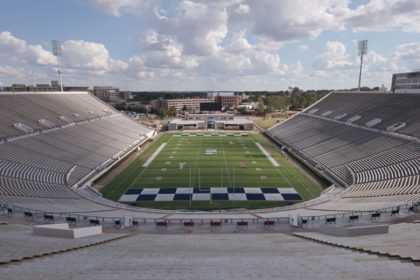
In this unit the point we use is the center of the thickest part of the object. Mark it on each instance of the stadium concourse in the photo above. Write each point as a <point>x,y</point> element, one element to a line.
<point>53,145</point>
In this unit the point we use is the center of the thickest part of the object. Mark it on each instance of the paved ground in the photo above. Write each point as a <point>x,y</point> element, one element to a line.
<point>403,240</point>
<point>17,242</point>
<point>218,256</point>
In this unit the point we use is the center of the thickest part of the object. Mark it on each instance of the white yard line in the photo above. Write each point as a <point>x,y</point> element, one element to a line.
<point>155,154</point>
<point>269,157</point>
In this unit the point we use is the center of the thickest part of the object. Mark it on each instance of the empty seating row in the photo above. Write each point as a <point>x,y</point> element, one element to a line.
<point>47,164</point>
<point>26,188</point>
<point>369,162</point>
<point>390,108</point>
<point>404,169</point>
<point>15,170</point>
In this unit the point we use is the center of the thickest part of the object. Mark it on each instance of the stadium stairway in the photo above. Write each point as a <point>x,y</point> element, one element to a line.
<point>402,241</point>
<point>17,243</point>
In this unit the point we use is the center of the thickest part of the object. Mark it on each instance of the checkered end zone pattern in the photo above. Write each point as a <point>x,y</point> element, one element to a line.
<point>196,194</point>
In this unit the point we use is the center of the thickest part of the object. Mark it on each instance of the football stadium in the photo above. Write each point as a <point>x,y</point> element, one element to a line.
<point>216,159</point>
<point>366,144</point>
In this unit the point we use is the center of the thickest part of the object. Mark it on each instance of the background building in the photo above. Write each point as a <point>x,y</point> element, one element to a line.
<point>16,88</point>
<point>210,121</point>
<point>227,99</point>
<point>53,87</point>
<point>406,82</point>
<point>107,93</point>
<point>191,104</point>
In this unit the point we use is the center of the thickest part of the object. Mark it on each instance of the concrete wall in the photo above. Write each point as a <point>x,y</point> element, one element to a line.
<point>63,231</point>
<point>355,230</point>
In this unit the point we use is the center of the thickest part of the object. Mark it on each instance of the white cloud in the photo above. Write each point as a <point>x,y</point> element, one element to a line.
<point>238,43</point>
<point>242,9</point>
<point>22,60</point>
<point>333,57</point>
<point>292,19</point>
<point>339,68</point>
<point>303,48</point>
<point>222,39</point>
<point>89,56</point>
<point>15,49</point>
<point>200,26</point>
<point>409,53</point>
<point>11,44</point>
<point>9,70</point>
<point>279,20</point>
<point>383,15</point>
<point>336,59</point>
<point>37,55</point>
<point>210,43</point>
<point>115,7</point>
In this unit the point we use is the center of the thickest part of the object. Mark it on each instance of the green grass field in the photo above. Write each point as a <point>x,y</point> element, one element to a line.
<point>183,163</point>
<point>267,123</point>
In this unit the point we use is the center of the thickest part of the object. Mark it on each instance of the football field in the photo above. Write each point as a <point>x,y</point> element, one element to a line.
<point>211,170</point>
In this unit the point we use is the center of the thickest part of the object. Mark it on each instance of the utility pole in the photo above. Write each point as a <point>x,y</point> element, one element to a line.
<point>361,51</point>
<point>56,49</point>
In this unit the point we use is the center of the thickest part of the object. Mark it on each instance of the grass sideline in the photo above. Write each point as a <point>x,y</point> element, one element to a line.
<point>214,170</point>
<point>267,123</point>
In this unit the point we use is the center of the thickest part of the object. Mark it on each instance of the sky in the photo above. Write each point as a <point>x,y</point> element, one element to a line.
<point>208,45</point>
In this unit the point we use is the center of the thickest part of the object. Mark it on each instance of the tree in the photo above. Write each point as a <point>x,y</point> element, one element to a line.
<point>120,106</point>
<point>172,111</point>
<point>261,107</point>
<point>242,110</point>
<point>162,112</point>
<point>185,108</point>
<point>276,103</point>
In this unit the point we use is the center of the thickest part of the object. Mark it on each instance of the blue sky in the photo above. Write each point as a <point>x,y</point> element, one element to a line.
<point>208,45</point>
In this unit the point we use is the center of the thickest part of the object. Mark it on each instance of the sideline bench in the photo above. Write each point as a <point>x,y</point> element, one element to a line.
<point>395,212</point>
<point>269,224</point>
<point>189,224</point>
<point>71,220</point>
<point>48,217</point>
<point>375,216</point>
<point>330,220</point>
<point>94,222</point>
<point>215,223</point>
<point>162,224</point>
<point>353,218</point>
<point>242,225</point>
<point>28,215</point>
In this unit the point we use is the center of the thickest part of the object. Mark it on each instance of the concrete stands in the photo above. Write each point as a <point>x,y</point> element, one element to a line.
<point>17,243</point>
<point>41,168</point>
<point>347,137</point>
<point>61,139</point>
<point>402,241</point>
<point>212,256</point>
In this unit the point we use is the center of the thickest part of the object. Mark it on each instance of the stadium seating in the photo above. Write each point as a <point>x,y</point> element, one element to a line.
<point>398,243</point>
<point>57,141</point>
<point>77,136</point>
<point>368,158</point>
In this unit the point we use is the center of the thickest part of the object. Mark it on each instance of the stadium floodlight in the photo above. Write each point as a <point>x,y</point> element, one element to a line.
<point>362,50</point>
<point>56,49</point>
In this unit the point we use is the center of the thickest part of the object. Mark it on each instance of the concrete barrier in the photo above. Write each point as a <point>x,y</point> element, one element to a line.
<point>63,231</point>
<point>359,230</point>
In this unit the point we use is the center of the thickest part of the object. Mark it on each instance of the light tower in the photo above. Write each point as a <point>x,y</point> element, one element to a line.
<point>362,51</point>
<point>56,49</point>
